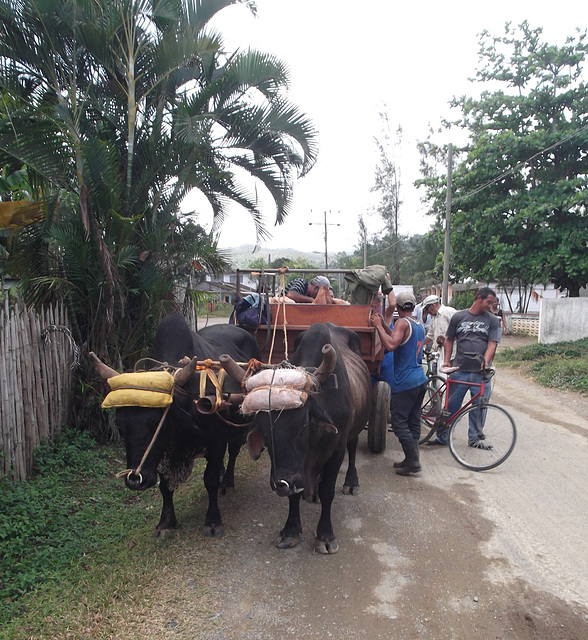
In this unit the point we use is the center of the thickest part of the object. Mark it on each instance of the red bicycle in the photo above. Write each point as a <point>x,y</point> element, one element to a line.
<point>481,435</point>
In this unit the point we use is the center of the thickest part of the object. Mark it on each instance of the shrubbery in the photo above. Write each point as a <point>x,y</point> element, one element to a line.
<point>562,366</point>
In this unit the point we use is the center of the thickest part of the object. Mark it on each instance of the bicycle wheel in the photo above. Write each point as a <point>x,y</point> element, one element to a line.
<point>432,407</point>
<point>491,444</point>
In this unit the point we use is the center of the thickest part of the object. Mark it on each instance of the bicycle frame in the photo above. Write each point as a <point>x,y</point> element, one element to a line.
<point>432,359</point>
<point>446,417</point>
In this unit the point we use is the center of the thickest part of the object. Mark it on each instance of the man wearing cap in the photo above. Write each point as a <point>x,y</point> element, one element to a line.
<point>301,290</point>
<point>409,381</point>
<point>440,317</point>
<point>475,330</point>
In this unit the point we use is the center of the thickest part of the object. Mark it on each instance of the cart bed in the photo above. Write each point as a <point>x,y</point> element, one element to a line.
<point>301,316</point>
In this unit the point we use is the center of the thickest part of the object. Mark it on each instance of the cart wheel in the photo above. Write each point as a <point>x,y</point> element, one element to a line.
<point>378,424</point>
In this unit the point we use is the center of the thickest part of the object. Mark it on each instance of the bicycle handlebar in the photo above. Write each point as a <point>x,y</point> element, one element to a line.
<point>487,371</point>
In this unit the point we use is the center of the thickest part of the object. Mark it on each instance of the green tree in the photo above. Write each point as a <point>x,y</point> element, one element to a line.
<point>118,109</point>
<point>520,184</point>
<point>387,184</point>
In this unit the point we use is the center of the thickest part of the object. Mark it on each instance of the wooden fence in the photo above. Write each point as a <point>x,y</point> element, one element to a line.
<point>37,361</point>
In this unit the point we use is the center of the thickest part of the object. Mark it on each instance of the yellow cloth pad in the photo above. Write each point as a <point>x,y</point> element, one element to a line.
<point>141,389</point>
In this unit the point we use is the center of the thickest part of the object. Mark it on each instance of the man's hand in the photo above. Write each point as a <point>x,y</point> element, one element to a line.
<point>376,320</point>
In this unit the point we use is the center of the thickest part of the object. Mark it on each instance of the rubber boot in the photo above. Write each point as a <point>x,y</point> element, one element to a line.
<point>400,463</point>
<point>412,464</point>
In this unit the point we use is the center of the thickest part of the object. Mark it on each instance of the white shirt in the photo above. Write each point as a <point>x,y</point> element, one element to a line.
<point>439,324</point>
<point>418,315</point>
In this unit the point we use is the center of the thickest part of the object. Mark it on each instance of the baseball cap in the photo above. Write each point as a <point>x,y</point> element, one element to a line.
<point>405,299</point>
<point>320,281</point>
<point>430,300</point>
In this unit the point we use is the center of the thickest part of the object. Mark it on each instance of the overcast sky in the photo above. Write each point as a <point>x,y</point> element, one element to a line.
<point>347,60</point>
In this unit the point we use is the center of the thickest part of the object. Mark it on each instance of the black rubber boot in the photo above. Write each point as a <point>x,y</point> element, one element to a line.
<point>411,464</point>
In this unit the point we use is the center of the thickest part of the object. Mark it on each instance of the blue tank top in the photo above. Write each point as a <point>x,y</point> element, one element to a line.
<point>408,358</point>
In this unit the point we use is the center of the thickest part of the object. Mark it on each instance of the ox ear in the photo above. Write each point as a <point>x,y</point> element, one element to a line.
<point>321,418</point>
<point>255,443</point>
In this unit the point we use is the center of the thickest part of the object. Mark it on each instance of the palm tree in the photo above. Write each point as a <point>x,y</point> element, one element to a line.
<point>118,109</point>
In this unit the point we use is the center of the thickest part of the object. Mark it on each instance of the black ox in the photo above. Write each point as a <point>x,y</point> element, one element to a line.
<point>307,444</point>
<point>186,433</point>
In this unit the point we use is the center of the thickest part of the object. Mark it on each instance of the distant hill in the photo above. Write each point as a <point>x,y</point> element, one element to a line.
<point>242,256</point>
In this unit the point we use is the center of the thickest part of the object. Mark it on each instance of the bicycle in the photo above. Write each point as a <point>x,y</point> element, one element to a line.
<point>434,384</point>
<point>481,435</point>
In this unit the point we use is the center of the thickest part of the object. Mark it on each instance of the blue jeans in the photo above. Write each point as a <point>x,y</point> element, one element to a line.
<point>457,394</point>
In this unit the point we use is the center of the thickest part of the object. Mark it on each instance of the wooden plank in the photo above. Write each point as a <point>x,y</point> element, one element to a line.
<point>301,314</point>
<point>30,422</point>
<point>36,380</point>
<point>10,419</point>
<point>19,442</point>
<point>45,383</point>
<point>5,460</point>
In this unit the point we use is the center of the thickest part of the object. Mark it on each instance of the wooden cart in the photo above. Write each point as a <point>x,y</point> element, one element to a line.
<point>290,320</point>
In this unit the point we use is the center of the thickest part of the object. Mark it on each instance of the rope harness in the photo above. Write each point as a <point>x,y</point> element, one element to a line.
<point>207,373</point>
<point>281,305</point>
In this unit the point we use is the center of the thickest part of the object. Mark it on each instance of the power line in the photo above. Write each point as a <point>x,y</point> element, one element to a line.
<point>519,166</point>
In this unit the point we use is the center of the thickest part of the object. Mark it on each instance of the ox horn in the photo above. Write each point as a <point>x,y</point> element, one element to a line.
<point>102,369</point>
<point>183,375</point>
<point>327,366</point>
<point>232,368</point>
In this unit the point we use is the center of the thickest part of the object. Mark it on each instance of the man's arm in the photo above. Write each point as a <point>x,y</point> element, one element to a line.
<point>298,297</point>
<point>393,340</point>
<point>448,348</point>
<point>389,311</point>
<point>489,355</point>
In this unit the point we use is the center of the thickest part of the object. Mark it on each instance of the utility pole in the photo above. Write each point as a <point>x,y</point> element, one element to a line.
<point>447,225</point>
<point>330,224</point>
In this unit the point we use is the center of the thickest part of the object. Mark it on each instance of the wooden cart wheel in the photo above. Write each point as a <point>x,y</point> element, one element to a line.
<point>378,424</point>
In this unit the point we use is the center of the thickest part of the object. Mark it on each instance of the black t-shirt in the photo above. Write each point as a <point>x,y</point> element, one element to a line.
<point>472,333</point>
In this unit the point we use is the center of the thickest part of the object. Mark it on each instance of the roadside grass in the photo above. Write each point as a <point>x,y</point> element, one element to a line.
<point>221,310</point>
<point>562,366</point>
<point>77,555</point>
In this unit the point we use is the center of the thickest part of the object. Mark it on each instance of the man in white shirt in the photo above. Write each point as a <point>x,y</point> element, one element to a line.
<point>440,317</point>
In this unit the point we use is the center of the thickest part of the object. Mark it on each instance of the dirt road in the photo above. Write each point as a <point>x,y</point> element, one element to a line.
<point>448,554</point>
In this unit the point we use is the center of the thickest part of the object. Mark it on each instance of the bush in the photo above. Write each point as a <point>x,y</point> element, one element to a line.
<point>563,365</point>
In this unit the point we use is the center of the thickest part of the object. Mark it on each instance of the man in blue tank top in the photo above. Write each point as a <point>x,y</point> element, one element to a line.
<point>409,382</point>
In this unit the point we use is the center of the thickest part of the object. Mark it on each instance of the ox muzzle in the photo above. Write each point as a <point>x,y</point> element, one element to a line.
<point>285,488</point>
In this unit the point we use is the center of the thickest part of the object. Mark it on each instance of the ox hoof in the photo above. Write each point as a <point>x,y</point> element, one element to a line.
<point>214,531</point>
<point>326,547</point>
<point>288,542</point>
<point>224,490</point>
<point>351,490</point>
<point>159,534</point>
